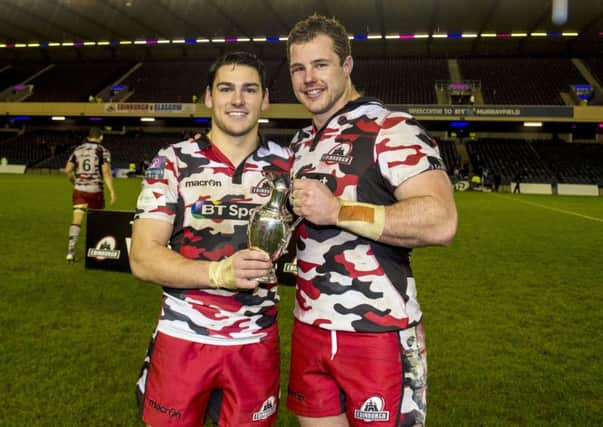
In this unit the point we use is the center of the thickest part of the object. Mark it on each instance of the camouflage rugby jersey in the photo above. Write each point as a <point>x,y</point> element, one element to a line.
<point>193,186</point>
<point>346,282</point>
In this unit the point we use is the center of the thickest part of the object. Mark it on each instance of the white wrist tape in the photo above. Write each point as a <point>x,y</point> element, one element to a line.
<point>221,274</point>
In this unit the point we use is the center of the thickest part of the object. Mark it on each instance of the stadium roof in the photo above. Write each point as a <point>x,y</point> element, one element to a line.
<point>191,22</point>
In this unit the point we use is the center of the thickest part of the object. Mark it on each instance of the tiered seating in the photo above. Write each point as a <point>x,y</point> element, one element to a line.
<point>595,66</point>
<point>125,149</point>
<point>522,81</point>
<point>57,161</point>
<point>75,82</point>
<point>400,80</point>
<point>393,80</point>
<point>507,158</point>
<point>6,136</point>
<point>519,81</point>
<point>280,84</point>
<point>573,163</point>
<point>26,149</point>
<point>449,154</point>
<point>137,147</point>
<point>171,81</point>
<point>18,73</point>
<point>60,145</point>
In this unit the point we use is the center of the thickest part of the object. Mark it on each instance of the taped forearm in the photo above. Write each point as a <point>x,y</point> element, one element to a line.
<point>221,274</point>
<point>364,219</point>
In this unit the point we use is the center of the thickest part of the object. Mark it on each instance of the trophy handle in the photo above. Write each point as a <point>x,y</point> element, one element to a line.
<point>285,240</point>
<point>296,222</point>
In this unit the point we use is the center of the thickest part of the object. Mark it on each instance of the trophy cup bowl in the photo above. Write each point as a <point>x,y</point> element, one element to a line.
<point>270,227</point>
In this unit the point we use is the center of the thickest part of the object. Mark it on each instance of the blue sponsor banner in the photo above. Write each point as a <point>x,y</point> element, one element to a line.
<point>492,111</point>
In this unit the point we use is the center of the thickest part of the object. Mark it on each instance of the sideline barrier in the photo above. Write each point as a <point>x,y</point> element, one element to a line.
<point>108,235</point>
<point>533,188</point>
<point>577,190</point>
<point>20,169</point>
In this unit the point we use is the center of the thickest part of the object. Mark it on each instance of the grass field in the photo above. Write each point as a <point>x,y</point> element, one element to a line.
<point>513,313</point>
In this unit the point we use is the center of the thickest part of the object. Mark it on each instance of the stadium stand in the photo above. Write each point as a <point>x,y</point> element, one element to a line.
<point>393,80</point>
<point>400,80</point>
<point>522,81</point>
<point>137,147</point>
<point>6,135</point>
<point>279,82</point>
<point>178,81</point>
<point>75,82</point>
<point>168,81</point>
<point>525,81</point>
<point>504,81</point>
<point>596,68</point>
<point>572,163</point>
<point>133,147</point>
<point>449,154</point>
<point>26,148</point>
<point>507,157</point>
<point>544,161</point>
<point>13,74</point>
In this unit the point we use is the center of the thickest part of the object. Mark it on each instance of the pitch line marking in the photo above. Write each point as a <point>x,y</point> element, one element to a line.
<point>592,218</point>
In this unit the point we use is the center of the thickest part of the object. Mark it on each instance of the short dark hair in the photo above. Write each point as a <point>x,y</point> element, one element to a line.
<point>95,133</point>
<point>238,58</point>
<point>307,29</point>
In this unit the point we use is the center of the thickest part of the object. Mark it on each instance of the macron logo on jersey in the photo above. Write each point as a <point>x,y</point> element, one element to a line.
<point>202,183</point>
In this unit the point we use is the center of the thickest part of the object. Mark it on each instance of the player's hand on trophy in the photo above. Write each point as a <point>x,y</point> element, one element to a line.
<point>314,201</point>
<point>241,270</point>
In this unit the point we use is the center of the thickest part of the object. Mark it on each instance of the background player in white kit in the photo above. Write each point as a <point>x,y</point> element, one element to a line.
<point>87,168</point>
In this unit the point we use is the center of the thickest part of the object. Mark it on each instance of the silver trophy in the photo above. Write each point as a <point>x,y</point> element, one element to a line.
<point>270,226</point>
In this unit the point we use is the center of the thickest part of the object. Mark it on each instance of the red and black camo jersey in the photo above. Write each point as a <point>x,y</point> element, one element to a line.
<point>346,282</point>
<point>88,159</point>
<point>193,186</point>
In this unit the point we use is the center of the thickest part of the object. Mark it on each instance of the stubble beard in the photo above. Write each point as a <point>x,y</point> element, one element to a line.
<point>233,131</point>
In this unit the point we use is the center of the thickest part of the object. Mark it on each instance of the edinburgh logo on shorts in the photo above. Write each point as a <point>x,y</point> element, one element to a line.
<point>339,154</point>
<point>268,408</point>
<point>372,410</point>
<point>105,248</point>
